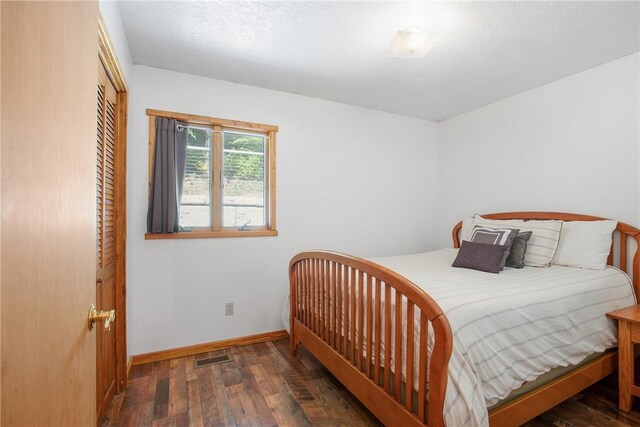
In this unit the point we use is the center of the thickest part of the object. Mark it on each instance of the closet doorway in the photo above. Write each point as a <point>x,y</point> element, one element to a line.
<point>111,365</point>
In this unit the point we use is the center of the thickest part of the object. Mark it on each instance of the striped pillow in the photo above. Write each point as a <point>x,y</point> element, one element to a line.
<point>542,245</point>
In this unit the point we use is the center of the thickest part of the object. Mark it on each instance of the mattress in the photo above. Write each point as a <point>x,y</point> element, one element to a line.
<point>513,327</point>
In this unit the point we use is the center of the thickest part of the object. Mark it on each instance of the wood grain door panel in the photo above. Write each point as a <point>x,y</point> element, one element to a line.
<point>48,242</point>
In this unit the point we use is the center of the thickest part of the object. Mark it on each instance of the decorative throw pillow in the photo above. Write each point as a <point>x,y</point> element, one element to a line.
<point>518,249</point>
<point>543,243</point>
<point>585,244</point>
<point>480,256</point>
<point>467,227</point>
<point>494,236</point>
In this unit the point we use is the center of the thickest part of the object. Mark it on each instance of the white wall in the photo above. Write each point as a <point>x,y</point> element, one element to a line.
<point>572,145</point>
<point>348,179</point>
<point>111,15</point>
<point>371,183</point>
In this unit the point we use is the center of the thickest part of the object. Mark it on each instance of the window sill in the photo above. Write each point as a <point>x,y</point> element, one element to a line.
<point>200,234</point>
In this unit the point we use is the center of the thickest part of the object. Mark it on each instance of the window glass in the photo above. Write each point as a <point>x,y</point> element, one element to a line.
<point>195,205</point>
<point>243,192</point>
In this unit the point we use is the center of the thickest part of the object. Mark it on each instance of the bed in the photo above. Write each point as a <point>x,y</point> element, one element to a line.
<point>433,372</point>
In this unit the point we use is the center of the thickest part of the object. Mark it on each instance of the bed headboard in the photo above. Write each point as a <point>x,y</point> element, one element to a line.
<point>622,251</point>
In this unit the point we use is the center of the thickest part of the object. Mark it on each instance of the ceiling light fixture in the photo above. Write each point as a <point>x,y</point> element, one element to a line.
<point>412,43</point>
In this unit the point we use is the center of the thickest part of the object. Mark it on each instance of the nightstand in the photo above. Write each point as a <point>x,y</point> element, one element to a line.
<point>628,335</point>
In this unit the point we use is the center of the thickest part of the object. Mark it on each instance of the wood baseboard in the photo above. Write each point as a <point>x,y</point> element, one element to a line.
<point>129,365</point>
<point>173,353</point>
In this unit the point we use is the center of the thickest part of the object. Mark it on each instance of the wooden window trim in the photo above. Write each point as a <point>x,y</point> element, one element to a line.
<point>199,234</point>
<point>218,125</point>
<point>212,121</point>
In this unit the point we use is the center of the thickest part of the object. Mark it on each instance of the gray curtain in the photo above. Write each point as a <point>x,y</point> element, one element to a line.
<point>167,177</point>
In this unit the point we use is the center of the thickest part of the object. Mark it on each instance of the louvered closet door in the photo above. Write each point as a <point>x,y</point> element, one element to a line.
<point>105,237</point>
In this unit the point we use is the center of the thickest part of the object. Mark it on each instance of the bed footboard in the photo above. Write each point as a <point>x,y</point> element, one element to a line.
<point>342,307</point>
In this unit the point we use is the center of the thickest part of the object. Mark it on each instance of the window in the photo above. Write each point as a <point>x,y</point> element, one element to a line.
<point>229,181</point>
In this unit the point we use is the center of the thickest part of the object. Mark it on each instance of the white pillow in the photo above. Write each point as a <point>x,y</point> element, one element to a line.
<point>467,228</point>
<point>542,245</point>
<point>585,244</point>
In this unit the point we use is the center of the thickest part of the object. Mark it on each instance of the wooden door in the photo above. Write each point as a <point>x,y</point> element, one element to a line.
<point>105,236</point>
<point>48,97</point>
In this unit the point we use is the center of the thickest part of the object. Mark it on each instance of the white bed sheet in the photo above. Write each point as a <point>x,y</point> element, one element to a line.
<point>512,327</point>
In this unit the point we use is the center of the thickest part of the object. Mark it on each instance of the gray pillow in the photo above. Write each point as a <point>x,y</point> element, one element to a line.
<point>480,256</point>
<point>494,236</point>
<point>519,247</point>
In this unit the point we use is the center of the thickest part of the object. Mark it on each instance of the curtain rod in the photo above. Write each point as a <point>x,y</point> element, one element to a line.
<point>183,127</point>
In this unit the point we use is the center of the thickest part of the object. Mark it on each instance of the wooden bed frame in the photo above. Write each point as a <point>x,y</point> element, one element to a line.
<point>359,286</point>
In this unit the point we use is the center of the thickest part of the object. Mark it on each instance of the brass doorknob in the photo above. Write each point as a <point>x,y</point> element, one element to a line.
<point>95,315</point>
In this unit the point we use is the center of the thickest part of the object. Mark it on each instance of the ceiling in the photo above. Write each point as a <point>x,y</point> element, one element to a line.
<point>337,50</point>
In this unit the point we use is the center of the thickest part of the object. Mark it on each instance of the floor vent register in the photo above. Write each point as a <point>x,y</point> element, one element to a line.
<point>216,360</point>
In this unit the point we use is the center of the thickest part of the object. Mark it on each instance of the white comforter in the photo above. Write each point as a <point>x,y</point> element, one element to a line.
<point>512,327</point>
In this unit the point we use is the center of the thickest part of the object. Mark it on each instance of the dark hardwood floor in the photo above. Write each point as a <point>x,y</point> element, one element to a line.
<point>263,386</point>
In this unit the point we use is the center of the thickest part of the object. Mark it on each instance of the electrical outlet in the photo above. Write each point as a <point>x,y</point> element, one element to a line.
<point>228,309</point>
